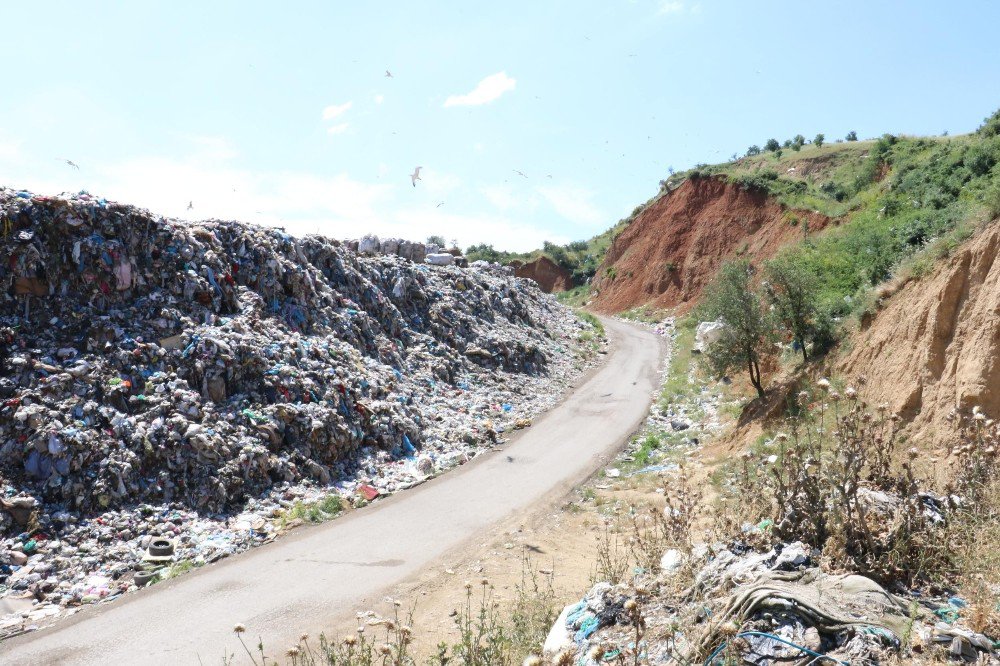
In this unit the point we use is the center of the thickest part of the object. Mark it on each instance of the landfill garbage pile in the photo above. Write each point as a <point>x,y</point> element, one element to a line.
<point>158,373</point>
<point>757,608</point>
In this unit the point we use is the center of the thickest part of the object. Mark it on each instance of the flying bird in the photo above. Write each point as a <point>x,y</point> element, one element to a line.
<point>519,173</point>
<point>415,176</point>
<point>388,74</point>
<point>439,205</point>
<point>71,163</point>
<point>190,205</point>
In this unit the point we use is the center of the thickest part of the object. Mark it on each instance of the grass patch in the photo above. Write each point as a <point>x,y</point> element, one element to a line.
<point>678,385</point>
<point>576,297</point>
<point>312,512</point>
<point>594,322</point>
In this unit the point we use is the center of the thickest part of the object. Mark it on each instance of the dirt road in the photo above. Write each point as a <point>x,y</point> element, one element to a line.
<point>314,577</point>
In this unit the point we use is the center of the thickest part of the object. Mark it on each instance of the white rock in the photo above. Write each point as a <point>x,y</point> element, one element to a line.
<point>707,333</point>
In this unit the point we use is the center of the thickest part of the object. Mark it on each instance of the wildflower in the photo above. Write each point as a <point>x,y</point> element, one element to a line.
<point>239,628</point>
<point>597,652</point>
<point>834,395</point>
<point>851,393</point>
<point>292,651</point>
<point>484,582</point>
<point>304,637</point>
<point>350,640</point>
<point>532,660</point>
<point>385,650</point>
<point>804,396</point>
<point>824,384</point>
<point>781,437</point>
<point>980,417</point>
<point>630,605</point>
<point>467,585</point>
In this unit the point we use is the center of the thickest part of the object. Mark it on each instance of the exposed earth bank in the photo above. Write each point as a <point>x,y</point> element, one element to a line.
<point>675,246</point>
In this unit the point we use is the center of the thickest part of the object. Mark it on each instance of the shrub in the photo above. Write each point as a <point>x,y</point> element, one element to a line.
<point>793,292</point>
<point>837,483</point>
<point>753,150</point>
<point>748,337</point>
<point>818,141</point>
<point>852,136</point>
<point>991,125</point>
<point>772,145</point>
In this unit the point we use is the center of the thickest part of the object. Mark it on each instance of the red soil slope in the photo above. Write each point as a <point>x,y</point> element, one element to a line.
<point>549,275</point>
<point>675,246</point>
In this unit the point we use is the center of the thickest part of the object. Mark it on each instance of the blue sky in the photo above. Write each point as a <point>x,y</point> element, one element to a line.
<point>254,111</point>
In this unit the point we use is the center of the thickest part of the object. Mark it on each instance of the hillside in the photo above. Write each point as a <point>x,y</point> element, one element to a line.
<point>933,344</point>
<point>674,247</point>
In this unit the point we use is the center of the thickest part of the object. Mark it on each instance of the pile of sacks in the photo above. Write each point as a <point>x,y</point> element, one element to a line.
<point>431,253</point>
<point>198,366</point>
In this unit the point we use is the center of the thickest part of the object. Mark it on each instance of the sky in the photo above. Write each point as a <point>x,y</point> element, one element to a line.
<point>531,120</point>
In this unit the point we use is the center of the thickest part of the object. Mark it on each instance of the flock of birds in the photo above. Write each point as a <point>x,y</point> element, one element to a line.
<point>414,177</point>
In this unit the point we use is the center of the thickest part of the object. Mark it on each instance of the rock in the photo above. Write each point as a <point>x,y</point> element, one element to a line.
<point>707,333</point>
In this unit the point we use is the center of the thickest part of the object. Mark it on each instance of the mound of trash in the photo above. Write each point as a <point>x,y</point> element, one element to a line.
<point>736,605</point>
<point>167,370</point>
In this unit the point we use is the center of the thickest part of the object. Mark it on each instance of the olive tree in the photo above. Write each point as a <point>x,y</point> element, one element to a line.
<point>793,293</point>
<point>748,334</point>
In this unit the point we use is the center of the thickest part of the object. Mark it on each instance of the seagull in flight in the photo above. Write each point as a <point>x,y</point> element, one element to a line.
<point>388,74</point>
<point>439,205</point>
<point>190,205</point>
<point>519,173</point>
<point>415,176</point>
<point>71,163</point>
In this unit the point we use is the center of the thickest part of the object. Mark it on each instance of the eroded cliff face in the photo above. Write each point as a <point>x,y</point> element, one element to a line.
<point>935,344</point>
<point>550,276</point>
<point>675,246</point>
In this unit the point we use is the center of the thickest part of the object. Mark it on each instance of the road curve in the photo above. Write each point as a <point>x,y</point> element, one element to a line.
<point>301,581</point>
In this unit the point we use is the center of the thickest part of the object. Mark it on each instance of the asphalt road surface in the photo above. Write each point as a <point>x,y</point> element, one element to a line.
<point>301,582</point>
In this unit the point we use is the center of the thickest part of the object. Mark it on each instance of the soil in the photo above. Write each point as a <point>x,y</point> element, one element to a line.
<point>675,246</point>
<point>550,276</point>
<point>934,345</point>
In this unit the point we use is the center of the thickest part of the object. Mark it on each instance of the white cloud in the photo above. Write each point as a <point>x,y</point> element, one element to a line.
<point>486,91</point>
<point>573,203</point>
<point>379,99</point>
<point>671,7</point>
<point>340,128</point>
<point>334,110</point>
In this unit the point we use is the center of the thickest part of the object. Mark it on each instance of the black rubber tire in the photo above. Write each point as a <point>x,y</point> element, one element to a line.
<point>144,578</point>
<point>160,547</point>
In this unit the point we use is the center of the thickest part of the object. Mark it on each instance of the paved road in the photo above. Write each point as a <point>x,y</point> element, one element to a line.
<point>304,580</point>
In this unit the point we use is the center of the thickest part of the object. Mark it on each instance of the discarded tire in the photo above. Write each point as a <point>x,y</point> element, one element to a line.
<point>143,578</point>
<point>161,547</point>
